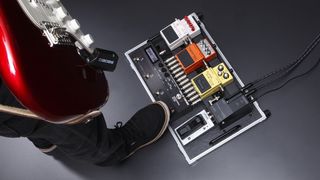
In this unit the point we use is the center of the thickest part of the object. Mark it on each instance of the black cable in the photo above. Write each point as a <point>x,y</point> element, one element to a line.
<point>291,65</point>
<point>289,68</point>
<point>291,79</point>
<point>294,66</point>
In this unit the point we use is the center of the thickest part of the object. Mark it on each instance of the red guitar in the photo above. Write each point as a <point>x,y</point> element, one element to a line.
<point>48,63</point>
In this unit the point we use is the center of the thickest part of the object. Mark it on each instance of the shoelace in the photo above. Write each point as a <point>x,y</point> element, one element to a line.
<point>118,125</point>
<point>128,133</point>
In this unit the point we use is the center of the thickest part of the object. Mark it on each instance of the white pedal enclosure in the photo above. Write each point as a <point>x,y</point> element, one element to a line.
<point>194,127</point>
<point>176,33</point>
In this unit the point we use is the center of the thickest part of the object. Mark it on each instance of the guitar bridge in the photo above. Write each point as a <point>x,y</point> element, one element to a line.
<point>56,34</point>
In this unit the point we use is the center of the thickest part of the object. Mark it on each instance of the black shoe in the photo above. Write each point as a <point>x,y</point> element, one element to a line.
<point>145,127</point>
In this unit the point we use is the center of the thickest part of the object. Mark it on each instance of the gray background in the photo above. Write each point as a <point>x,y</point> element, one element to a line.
<point>256,37</point>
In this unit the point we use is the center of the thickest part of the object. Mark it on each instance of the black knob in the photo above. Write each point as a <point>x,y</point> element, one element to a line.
<point>163,69</point>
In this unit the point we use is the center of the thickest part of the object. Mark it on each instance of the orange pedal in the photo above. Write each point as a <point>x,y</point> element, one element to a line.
<point>191,58</point>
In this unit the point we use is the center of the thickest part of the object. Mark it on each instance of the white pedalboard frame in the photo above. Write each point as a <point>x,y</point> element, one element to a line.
<point>172,131</point>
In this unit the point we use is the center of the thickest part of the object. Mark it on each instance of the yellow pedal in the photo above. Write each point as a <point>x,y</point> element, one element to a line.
<point>206,83</point>
<point>211,80</point>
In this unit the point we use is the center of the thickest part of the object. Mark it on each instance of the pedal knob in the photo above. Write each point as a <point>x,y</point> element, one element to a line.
<point>60,13</point>
<point>220,68</point>
<point>87,40</point>
<point>226,75</point>
<point>74,25</point>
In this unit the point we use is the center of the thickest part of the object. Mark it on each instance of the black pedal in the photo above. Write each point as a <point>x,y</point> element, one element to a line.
<point>228,112</point>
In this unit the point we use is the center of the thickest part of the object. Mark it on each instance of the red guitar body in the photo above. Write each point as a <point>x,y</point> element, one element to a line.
<point>53,82</point>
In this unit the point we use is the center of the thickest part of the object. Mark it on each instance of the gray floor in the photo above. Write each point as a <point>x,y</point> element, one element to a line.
<point>256,37</point>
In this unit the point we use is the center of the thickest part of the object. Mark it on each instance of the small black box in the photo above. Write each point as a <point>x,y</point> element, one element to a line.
<point>228,112</point>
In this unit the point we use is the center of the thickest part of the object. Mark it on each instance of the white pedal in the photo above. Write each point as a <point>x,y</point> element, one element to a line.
<point>194,127</point>
<point>176,33</point>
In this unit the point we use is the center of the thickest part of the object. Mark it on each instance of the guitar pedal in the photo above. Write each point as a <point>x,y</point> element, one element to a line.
<point>176,33</point>
<point>210,81</point>
<point>191,58</point>
<point>194,127</point>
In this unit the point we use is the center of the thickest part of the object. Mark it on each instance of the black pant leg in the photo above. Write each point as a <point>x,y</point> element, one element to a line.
<point>92,142</point>
<point>13,126</point>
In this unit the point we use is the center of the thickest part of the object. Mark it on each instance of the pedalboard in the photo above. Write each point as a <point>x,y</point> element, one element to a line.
<point>183,67</point>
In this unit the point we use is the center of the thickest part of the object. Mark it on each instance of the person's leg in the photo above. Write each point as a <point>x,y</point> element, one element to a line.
<point>13,126</point>
<point>95,143</point>
<point>92,142</point>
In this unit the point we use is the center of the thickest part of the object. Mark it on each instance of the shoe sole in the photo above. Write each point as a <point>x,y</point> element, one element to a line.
<point>48,150</point>
<point>164,128</point>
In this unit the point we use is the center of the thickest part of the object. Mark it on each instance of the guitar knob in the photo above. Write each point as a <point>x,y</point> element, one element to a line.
<point>74,25</point>
<point>33,4</point>
<point>51,2</point>
<point>87,40</point>
<point>60,13</point>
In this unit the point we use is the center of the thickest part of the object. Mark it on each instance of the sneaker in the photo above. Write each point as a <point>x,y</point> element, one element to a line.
<point>145,127</point>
